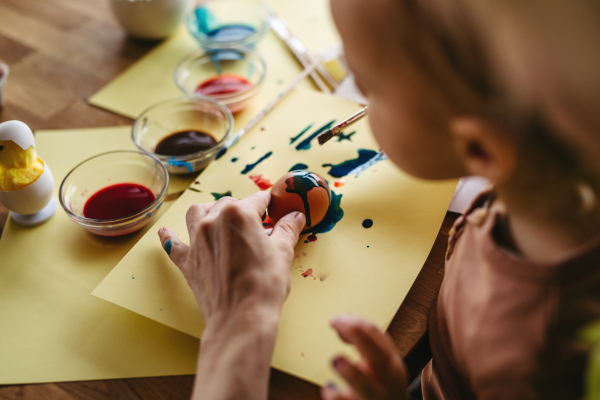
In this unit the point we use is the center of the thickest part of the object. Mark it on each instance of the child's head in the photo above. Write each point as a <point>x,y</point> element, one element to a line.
<point>436,110</point>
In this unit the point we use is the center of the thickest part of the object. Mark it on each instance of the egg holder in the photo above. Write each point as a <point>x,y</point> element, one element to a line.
<point>34,204</point>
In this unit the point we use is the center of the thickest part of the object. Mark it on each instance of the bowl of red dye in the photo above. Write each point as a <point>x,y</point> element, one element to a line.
<point>231,76</point>
<point>186,134</point>
<point>229,23</point>
<point>114,193</point>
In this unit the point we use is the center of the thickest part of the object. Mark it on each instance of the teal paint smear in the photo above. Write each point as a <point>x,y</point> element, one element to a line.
<point>305,144</point>
<point>298,167</point>
<point>168,246</point>
<point>343,136</point>
<point>292,140</point>
<point>218,196</point>
<point>250,167</point>
<point>332,217</point>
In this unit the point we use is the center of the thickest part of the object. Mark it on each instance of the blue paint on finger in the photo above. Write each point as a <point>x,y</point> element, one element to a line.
<point>168,246</point>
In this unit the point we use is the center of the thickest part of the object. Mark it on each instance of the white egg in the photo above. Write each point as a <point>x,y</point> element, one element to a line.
<point>18,132</point>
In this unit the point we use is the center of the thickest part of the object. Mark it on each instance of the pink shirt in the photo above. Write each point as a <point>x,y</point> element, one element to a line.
<point>506,328</point>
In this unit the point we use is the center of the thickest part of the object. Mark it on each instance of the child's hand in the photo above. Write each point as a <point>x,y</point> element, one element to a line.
<point>380,373</point>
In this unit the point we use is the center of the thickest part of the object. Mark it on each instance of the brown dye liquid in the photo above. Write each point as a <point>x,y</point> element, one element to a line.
<point>184,143</point>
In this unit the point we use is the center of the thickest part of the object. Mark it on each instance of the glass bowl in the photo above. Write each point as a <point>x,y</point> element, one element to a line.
<point>229,23</point>
<point>232,76</point>
<point>179,115</point>
<point>108,169</point>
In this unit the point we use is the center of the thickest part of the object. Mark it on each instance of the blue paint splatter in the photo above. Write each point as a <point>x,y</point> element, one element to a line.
<point>168,246</point>
<point>250,167</point>
<point>234,159</point>
<point>217,196</point>
<point>365,159</point>
<point>367,223</point>
<point>293,139</point>
<point>343,136</point>
<point>132,277</point>
<point>332,217</point>
<point>252,148</point>
<point>176,163</point>
<point>305,144</point>
<point>221,153</point>
<point>298,167</point>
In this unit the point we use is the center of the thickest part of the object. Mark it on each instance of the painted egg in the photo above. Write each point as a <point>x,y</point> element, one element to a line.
<point>302,191</point>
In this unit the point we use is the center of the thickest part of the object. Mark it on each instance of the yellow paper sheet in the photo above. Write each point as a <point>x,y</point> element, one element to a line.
<point>362,271</point>
<point>51,329</point>
<point>150,80</point>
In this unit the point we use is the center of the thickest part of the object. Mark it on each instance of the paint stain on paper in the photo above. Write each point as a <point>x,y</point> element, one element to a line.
<point>343,136</point>
<point>250,167</point>
<point>234,159</point>
<point>340,182</point>
<point>365,159</point>
<point>298,167</point>
<point>262,182</point>
<point>293,139</point>
<point>367,223</point>
<point>307,273</point>
<point>217,196</point>
<point>305,144</point>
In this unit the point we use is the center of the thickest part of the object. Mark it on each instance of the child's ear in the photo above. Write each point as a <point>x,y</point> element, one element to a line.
<point>483,149</point>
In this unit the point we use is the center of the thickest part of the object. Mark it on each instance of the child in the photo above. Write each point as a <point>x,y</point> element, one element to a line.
<point>522,272</point>
<point>522,269</point>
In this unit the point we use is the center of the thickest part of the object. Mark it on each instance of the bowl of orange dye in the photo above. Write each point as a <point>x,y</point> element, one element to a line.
<point>233,76</point>
<point>114,193</point>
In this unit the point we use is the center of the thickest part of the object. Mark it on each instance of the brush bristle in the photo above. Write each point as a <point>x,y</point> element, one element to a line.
<point>325,137</point>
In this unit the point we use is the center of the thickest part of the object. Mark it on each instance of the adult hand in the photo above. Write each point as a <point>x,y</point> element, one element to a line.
<point>380,374</point>
<point>233,267</point>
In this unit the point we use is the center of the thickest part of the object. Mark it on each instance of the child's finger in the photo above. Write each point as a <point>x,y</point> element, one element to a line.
<point>369,341</point>
<point>356,379</point>
<point>175,248</point>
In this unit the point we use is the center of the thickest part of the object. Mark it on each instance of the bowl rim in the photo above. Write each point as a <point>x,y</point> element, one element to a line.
<point>102,222</point>
<point>189,157</point>
<point>225,98</point>
<point>5,70</point>
<point>205,40</point>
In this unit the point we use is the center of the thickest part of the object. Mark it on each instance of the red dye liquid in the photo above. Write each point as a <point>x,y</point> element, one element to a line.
<point>307,273</point>
<point>118,201</point>
<point>223,84</point>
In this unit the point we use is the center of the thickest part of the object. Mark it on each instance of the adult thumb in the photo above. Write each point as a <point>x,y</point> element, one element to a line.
<point>288,229</point>
<point>175,248</point>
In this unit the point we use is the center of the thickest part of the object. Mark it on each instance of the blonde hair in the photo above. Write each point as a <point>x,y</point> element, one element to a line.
<point>440,39</point>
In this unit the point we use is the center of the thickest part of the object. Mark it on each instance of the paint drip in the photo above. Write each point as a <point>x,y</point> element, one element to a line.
<point>301,183</point>
<point>250,167</point>
<point>332,217</point>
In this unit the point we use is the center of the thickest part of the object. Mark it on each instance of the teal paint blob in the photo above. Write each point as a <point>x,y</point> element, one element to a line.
<point>305,144</point>
<point>217,196</point>
<point>293,139</point>
<point>168,246</point>
<point>348,166</point>
<point>332,217</point>
<point>250,167</point>
<point>298,167</point>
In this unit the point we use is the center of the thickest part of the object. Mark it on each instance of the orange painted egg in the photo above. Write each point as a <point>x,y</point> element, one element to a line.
<point>302,191</point>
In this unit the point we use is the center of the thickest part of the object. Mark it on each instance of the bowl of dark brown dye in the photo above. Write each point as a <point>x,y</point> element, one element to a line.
<point>186,134</point>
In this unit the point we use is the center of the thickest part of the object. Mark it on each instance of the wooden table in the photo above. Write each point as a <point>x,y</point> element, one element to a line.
<point>60,52</point>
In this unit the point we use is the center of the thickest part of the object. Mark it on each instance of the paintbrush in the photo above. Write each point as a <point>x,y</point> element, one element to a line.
<point>337,129</point>
<point>269,107</point>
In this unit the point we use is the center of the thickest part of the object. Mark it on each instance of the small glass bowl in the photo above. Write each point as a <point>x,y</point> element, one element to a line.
<point>181,114</point>
<point>200,67</point>
<point>107,169</point>
<point>229,23</point>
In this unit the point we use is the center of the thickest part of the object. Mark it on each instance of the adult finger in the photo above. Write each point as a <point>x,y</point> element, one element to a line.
<point>369,341</point>
<point>331,392</point>
<point>287,230</point>
<point>356,379</point>
<point>195,214</point>
<point>257,203</point>
<point>175,248</point>
<point>218,206</point>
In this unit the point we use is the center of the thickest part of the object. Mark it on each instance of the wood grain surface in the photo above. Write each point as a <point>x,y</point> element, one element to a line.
<point>59,53</point>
